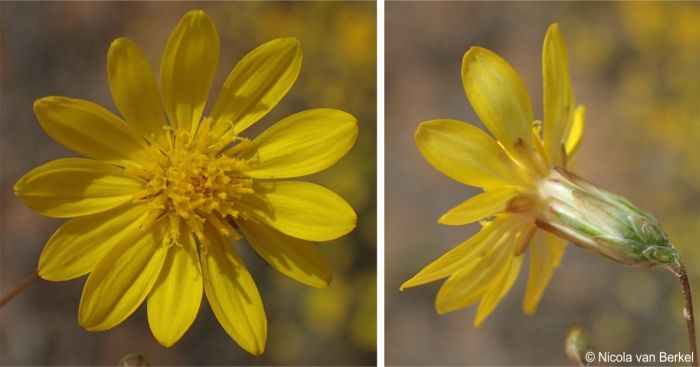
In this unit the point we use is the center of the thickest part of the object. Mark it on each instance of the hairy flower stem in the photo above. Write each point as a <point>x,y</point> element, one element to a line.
<point>682,275</point>
<point>20,287</point>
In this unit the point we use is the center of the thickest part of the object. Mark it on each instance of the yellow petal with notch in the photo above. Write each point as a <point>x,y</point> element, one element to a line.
<point>90,130</point>
<point>301,209</point>
<point>135,91</point>
<point>301,144</point>
<point>295,258</point>
<point>466,287</point>
<point>175,299</point>
<point>498,96</point>
<point>122,280</point>
<point>499,288</point>
<point>463,152</point>
<point>256,84</point>
<point>72,187</point>
<point>232,294</point>
<point>79,244</point>
<point>558,97</point>
<point>463,255</point>
<point>187,69</point>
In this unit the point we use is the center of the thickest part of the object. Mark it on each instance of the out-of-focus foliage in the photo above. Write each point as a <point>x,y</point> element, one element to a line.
<point>636,67</point>
<point>61,48</point>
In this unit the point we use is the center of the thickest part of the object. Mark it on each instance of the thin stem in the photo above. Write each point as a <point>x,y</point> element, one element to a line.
<point>20,287</point>
<point>682,275</point>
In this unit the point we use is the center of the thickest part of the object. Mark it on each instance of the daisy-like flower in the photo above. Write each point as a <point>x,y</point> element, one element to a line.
<point>485,266</point>
<point>530,199</point>
<point>164,191</point>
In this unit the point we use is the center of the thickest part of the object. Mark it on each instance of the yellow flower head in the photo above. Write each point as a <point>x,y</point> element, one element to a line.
<point>163,190</point>
<point>511,169</point>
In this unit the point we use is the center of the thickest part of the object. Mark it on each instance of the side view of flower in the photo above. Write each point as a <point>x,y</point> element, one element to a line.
<point>164,189</point>
<point>531,200</point>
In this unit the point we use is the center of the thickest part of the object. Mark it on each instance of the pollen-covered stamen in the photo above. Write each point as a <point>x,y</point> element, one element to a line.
<point>191,185</point>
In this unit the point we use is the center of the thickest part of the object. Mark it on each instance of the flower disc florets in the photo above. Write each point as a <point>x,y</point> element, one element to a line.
<point>192,182</point>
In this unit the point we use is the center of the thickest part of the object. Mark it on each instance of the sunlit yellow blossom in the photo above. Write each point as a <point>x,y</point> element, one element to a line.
<point>163,191</point>
<point>511,169</point>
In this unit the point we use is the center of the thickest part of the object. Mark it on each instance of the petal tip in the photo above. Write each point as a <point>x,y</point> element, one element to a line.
<point>476,55</point>
<point>120,42</point>
<point>444,219</point>
<point>257,349</point>
<point>38,103</point>
<point>197,18</point>
<point>286,44</point>
<point>553,33</point>
<point>85,323</point>
<point>324,282</point>
<point>291,41</point>
<point>18,186</point>
<point>44,102</point>
<point>440,306</point>
<point>528,307</point>
<point>406,284</point>
<point>41,271</point>
<point>423,127</point>
<point>196,13</point>
<point>474,51</point>
<point>165,342</point>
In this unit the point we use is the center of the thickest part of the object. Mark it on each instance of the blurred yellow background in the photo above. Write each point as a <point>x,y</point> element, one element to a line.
<point>636,67</point>
<point>61,49</point>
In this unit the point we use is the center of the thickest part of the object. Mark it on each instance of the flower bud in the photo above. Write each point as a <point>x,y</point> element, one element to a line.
<point>598,220</point>
<point>578,345</point>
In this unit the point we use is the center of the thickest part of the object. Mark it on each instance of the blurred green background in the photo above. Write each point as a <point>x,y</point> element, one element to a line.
<point>636,67</point>
<point>60,49</point>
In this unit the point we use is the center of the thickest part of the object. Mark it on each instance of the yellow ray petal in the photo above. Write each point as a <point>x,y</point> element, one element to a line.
<point>187,69</point>
<point>546,251</point>
<point>72,187</point>
<point>573,140</point>
<point>122,279</point>
<point>468,285</point>
<point>479,207</point>
<point>175,299</point>
<point>134,89</point>
<point>498,96</point>
<point>466,253</point>
<point>232,294</point>
<point>78,245</point>
<point>295,258</point>
<point>90,130</point>
<point>301,209</point>
<point>498,289</point>
<point>301,144</point>
<point>256,84</point>
<point>474,279</point>
<point>558,97</point>
<point>464,153</point>
<point>557,247</point>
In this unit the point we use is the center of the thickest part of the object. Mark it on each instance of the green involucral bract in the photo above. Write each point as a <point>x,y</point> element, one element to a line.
<point>598,220</point>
